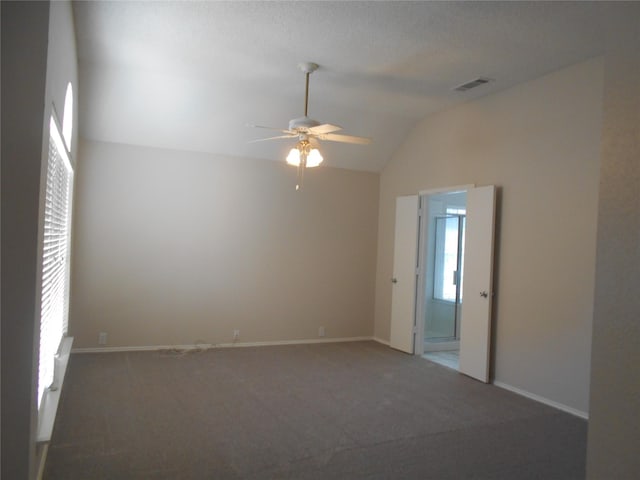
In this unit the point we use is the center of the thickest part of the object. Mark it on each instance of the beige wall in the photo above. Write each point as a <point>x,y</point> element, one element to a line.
<point>614,425</point>
<point>175,248</point>
<point>539,143</point>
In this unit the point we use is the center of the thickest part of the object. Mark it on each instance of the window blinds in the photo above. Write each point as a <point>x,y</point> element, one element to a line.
<point>55,257</point>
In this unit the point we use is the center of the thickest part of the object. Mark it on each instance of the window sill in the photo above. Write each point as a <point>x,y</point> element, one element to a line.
<point>51,397</point>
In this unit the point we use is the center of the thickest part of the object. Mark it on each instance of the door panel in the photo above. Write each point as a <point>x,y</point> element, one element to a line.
<point>475,329</point>
<point>403,296</point>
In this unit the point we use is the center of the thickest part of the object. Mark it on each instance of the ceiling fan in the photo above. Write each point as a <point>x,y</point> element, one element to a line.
<point>308,132</point>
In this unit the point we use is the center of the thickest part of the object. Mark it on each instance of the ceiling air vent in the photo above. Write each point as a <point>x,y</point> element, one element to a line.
<point>472,84</point>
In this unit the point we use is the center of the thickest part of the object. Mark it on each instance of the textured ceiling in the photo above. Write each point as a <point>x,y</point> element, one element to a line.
<point>192,75</point>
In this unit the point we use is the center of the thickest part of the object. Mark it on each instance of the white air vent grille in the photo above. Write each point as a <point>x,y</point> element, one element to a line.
<point>472,84</point>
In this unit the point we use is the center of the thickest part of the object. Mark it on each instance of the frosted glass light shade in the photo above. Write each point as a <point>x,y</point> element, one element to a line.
<point>294,157</point>
<point>313,158</point>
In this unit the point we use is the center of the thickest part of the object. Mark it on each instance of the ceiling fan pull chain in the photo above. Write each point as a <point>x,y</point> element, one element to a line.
<point>301,167</point>
<point>300,176</point>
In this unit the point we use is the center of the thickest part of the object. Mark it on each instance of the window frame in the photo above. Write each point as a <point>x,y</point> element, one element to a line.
<point>54,284</point>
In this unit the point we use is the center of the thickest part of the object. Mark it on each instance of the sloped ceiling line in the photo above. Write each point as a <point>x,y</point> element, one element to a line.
<point>192,75</point>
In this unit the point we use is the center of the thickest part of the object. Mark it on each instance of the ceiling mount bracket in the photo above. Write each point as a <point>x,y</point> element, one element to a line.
<point>308,67</point>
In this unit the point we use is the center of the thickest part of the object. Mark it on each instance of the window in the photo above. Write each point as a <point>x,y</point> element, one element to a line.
<point>449,254</point>
<point>67,117</point>
<point>456,211</point>
<point>55,256</point>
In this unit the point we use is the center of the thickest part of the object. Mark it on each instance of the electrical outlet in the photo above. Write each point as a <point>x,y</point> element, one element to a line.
<point>236,334</point>
<point>102,338</point>
<point>321,332</point>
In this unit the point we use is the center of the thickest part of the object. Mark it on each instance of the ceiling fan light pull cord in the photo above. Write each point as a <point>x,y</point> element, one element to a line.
<point>301,167</point>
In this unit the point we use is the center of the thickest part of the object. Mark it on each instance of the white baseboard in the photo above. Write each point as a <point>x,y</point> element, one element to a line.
<point>546,401</point>
<point>379,340</point>
<point>204,346</point>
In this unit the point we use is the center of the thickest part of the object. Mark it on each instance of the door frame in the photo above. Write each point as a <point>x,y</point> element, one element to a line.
<point>418,339</point>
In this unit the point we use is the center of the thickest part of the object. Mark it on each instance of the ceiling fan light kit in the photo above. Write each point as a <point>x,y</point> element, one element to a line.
<point>305,154</point>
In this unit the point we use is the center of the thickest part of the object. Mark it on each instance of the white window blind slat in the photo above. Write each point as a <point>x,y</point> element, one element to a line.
<point>55,261</point>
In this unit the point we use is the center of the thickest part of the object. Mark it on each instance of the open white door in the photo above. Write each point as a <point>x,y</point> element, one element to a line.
<point>475,329</point>
<point>403,297</point>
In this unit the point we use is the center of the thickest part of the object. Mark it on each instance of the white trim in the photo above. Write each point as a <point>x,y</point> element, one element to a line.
<point>379,340</point>
<point>454,189</point>
<point>205,346</point>
<point>41,457</point>
<point>67,117</point>
<point>51,397</point>
<point>546,401</point>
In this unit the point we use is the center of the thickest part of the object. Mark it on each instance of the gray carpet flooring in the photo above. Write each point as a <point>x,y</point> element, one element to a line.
<point>326,411</point>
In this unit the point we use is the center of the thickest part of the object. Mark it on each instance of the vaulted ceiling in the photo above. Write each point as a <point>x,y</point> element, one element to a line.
<point>192,75</point>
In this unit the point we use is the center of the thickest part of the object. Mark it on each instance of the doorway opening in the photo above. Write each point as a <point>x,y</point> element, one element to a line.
<point>441,260</point>
<point>420,284</point>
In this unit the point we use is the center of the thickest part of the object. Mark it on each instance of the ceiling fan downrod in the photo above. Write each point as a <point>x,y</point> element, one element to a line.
<point>306,95</point>
<point>308,68</point>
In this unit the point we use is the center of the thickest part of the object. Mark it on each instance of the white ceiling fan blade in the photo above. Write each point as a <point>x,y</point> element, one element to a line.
<point>344,138</point>
<point>324,128</point>
<point>271,128</point>
<point>271,138</point>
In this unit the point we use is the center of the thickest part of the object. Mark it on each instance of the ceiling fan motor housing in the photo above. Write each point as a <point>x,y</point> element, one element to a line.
<point>302,124</point>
